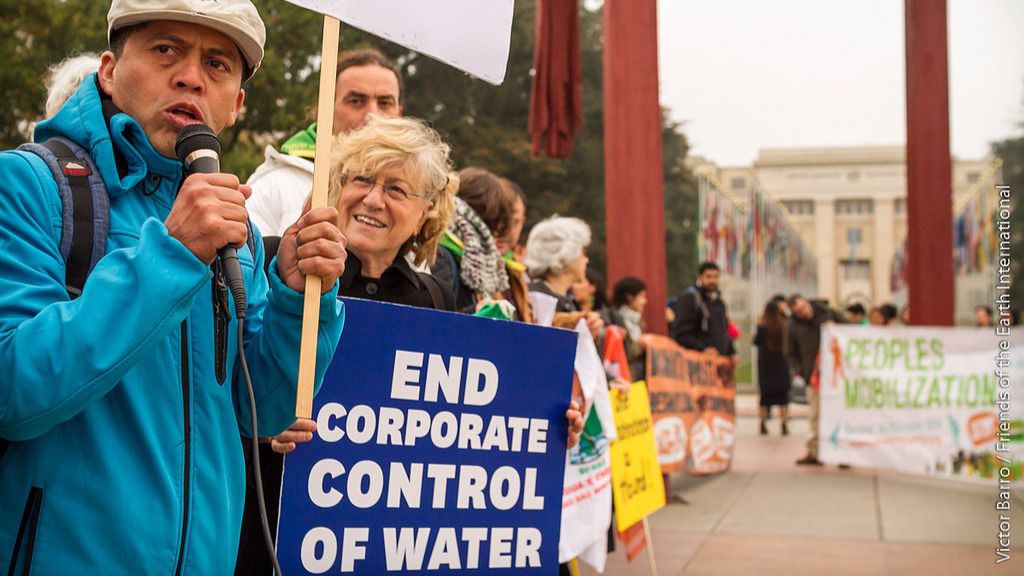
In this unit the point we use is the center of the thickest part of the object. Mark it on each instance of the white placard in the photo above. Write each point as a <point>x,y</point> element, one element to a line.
<point>939,401</point>
<point>471,35</point>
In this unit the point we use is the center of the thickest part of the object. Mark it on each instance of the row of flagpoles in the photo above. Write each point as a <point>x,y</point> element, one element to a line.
<point>974,232</point>
<point>754,239</point>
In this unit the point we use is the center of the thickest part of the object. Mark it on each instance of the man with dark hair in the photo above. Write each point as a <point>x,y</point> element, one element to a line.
<point>804,336</point>
<point>123,402</point>
<point>856,314</point>
<point>367,83</point>
<point>701,321</point>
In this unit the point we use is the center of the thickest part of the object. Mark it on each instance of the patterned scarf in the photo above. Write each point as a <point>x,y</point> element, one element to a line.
<point>481,268</point>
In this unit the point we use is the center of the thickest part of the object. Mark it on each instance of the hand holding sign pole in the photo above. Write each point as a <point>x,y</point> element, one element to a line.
<point>321,174</point>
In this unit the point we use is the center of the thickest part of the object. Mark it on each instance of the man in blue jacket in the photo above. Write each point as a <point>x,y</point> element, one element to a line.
<point>124,454</point>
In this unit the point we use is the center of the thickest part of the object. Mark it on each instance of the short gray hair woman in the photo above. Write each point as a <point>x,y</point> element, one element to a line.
<point>556,244</point>
<point>556,256</point>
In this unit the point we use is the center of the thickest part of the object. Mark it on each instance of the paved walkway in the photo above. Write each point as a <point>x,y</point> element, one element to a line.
<point>769,517</point>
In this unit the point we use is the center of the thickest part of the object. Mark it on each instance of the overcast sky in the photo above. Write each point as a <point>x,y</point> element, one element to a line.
<point>749,74</point>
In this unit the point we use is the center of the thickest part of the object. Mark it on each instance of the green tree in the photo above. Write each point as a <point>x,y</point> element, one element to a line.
<point>34,35</point>
<point>681,216</point>
<point>281,97</point>
<point>485,125</point>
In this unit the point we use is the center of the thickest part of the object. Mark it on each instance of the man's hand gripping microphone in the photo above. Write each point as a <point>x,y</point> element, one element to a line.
<point>198,149</point>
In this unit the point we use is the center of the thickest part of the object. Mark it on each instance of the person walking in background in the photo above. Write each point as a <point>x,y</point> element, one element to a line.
<point>780,300</point>
<point>773,376</point>
<point>803,341</point>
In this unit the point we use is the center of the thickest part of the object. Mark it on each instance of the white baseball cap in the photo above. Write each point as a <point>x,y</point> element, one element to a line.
<point>237,19</point>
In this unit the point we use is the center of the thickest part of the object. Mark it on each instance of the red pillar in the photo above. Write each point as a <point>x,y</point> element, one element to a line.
<point>634,186</point>
<point>929,167</point>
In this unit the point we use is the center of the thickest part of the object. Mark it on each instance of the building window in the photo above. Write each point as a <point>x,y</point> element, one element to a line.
<point>973,177</point>
<point>855,207</point>
<point>738,183</point>
<point>900,206</point>
<point>799,207</point>
<point>856,270</point>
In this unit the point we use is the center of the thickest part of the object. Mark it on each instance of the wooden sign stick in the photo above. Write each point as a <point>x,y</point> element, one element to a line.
<point>650,547</point>
<point>321,174</point>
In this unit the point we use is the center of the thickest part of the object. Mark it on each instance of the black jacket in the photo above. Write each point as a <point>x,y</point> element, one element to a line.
<point>399,284</point>
<point>565,303</point>
<point>446,269</point>
<point>802,348</point>
<point>701,322</point>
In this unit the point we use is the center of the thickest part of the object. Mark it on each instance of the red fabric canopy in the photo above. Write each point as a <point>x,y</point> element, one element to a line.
<point>556,97</point>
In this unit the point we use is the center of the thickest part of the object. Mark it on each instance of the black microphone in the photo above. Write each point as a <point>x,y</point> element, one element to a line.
<point>198,149</point>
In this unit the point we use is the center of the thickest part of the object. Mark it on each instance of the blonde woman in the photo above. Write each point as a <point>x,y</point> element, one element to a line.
<point>393,185</point>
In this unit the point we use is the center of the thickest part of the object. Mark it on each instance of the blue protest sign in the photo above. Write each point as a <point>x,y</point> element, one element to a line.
<point>440,447</point>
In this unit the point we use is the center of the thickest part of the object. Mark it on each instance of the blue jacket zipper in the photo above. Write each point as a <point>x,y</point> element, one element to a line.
<point>188,444</point>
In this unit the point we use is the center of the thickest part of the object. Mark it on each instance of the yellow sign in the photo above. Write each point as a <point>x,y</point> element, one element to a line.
<point>636,474</point>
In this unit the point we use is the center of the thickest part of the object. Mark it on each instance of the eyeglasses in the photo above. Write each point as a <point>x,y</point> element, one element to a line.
<point>392,191</point>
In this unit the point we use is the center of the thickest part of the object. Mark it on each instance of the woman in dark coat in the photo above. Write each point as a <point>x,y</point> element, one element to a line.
<point>394,189</point>
<point>773,376</point>
<point>393,186</point>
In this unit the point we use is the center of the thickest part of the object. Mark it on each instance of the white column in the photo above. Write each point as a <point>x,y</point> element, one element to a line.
<point>884,249</point>
<point>825,248</point>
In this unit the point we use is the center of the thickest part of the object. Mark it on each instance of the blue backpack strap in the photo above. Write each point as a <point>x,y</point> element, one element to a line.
<point>85,205</point>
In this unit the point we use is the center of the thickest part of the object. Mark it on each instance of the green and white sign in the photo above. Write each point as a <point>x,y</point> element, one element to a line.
<point>938,401</point>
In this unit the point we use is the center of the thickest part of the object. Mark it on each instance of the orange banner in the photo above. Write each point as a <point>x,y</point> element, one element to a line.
<point>634,539</point>
<point>693,399</point>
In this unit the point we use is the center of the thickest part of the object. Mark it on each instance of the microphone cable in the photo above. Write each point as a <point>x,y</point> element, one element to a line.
<point>241,305</point>
<point>198,148</point>
<point>261,503</point>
